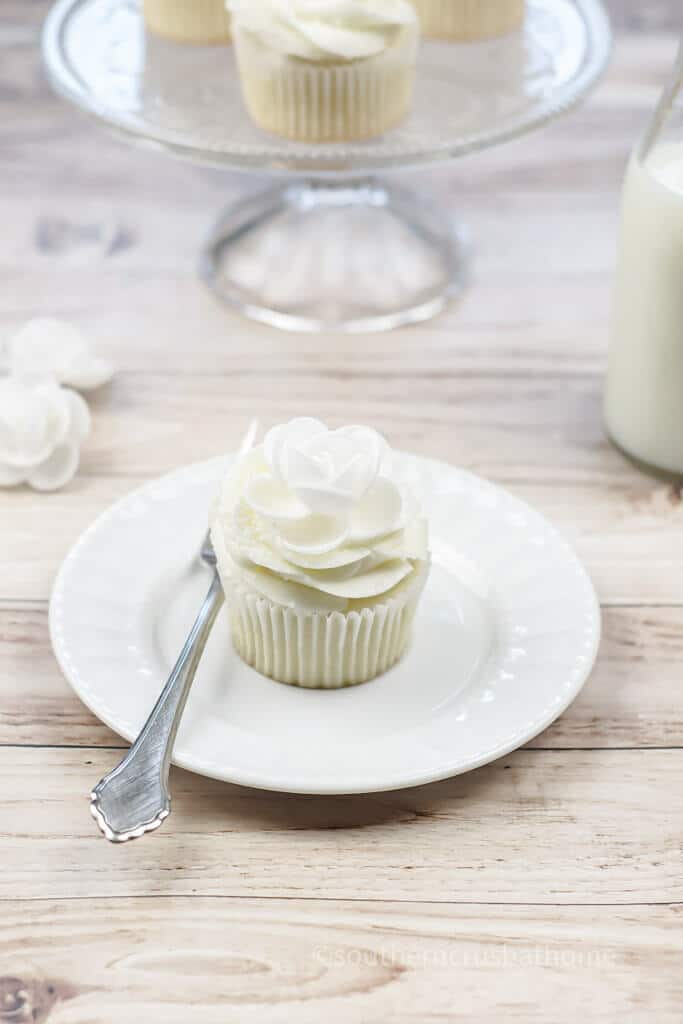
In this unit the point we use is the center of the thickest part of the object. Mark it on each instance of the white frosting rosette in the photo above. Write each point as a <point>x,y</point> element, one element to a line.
<point>324,29</point>
<point>322,555</point>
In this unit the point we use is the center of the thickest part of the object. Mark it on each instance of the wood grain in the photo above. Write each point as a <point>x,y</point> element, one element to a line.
<point>633,698</point>
<point>274,961</point>
<point>537,827</point>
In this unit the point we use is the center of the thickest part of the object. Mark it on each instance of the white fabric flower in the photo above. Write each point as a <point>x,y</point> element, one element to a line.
<point>326,470</point>
<point>55,348</point>
<point>324,486</point>
<point>41,428</point>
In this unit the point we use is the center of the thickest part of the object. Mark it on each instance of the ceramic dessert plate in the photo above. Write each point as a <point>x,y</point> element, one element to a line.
<point>506,634</point>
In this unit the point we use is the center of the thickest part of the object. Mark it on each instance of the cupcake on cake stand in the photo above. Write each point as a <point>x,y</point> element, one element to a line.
<point>329,245</point>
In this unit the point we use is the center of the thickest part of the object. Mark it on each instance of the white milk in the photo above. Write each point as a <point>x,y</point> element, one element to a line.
<point>644,399</point>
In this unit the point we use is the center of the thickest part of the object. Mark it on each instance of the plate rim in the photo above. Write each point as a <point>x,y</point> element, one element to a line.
<point>296,785</point>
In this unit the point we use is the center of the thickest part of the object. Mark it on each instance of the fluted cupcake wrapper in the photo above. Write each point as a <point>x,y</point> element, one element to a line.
<point>188,21</point>
<point>321,650</point>
<point>468,20</point>
<point>315,101</point>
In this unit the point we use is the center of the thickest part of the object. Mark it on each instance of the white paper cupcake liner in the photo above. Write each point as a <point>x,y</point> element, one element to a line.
<point>321,650</point>
<point>313,101</point>
<point>468,20</point>
<point>188,21</point>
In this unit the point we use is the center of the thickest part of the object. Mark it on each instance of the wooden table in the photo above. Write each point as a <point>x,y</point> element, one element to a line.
<point>543,886</point>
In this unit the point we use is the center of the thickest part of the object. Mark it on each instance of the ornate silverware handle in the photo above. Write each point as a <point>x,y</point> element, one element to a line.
<point>134,798</point>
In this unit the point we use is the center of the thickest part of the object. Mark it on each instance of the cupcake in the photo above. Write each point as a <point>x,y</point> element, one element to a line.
<point>188,21</point>
<point>322,555</point>
<point>468,20</point>
<point>325,70</point>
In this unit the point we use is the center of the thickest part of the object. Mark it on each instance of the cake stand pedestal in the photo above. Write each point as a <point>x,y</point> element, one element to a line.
<point>329,246</point>
<point>354,254</point>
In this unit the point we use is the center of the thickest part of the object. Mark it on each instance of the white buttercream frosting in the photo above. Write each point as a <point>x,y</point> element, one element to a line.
<point>312,519</point>
<point>324,29</point>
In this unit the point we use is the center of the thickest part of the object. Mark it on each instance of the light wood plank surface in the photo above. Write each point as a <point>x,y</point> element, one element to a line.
<point>282,960</point>
<point>539,888</point>
<point>537,827</point>
<point>273,960</point>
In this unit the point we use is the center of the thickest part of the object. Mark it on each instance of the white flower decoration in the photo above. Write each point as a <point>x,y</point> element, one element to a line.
<point>41,428</point>
<point>55,348</point>
<point>324,487</point>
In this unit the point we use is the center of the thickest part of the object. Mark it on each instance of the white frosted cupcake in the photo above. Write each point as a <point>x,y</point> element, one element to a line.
<point>325,70</point>
<point>468,20</point>
<point>322,556</point>
<point>188,21</point>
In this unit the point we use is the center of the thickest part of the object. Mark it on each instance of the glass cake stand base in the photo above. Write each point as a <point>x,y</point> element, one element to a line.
<point>349,255</point>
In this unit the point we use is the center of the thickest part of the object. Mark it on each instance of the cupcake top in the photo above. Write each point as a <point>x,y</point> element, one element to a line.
<point>320,30</point>
<point>312,519</point>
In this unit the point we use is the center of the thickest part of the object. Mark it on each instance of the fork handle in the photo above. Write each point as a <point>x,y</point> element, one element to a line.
<point>134,798</point>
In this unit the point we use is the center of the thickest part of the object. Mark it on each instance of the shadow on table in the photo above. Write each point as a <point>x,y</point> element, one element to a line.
<point>206,804</point>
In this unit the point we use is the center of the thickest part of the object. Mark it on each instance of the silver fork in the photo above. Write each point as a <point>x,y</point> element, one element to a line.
<point>134,797</point>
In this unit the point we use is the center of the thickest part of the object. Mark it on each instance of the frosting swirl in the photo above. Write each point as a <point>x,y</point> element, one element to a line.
<point>311,519</point>
<point>323,29</point>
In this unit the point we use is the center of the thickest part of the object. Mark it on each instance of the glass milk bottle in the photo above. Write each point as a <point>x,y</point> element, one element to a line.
<point>644,395</point>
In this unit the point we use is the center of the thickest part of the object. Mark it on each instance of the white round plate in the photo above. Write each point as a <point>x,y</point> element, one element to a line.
<point>506,634</point>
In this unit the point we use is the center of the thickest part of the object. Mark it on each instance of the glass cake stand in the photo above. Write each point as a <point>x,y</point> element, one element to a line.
<point>329,245</point>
